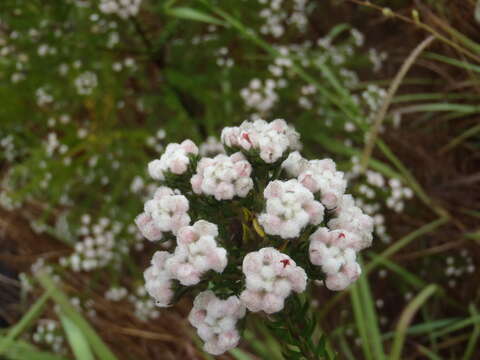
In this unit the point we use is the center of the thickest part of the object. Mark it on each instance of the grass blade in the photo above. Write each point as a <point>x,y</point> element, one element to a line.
<point>371,317</point>
<point>97,344</point>
<point>472,342</point>
<point>406,318</point>
<point>360,321</point>
<point>25,322</point>
<point>21,350</point>
<point>193,14</point>
<point>76,339</point>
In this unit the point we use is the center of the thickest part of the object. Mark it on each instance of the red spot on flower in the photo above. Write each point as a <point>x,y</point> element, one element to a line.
<point>246,137</point>
<point>285,262</point>
<point>341,235</point>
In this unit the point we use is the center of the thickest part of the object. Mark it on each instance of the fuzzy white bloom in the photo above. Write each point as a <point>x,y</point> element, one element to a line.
<point>289,208</point>
<point>271,140</point>
<point>48,333</point>
<point>196,253</point>
<point>175,160</point>
<point>145,309</point>
<point>158,281</point>
<point>116,293</point>
<point>122,8</point>
<point>260,96</point>
<point>166,212</point>
<point>86,82</point>
<point>335,252</point>
<point>211,147</point>
<point>96,250</point>
<point>318,176</point>
<point>351,218</point>
<point>270,278</point>
<point>215,321</point>
<point>223,177</point>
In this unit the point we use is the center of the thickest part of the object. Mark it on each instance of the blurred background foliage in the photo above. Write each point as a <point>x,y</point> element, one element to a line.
<point>89,97</point>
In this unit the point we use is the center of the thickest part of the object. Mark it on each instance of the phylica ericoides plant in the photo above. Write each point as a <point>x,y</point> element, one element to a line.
<point>248,228</point>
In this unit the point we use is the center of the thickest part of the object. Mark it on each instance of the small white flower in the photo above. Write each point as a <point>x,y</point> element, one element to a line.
<point>289,208</point>
<point>215,321</point>
<point>270,277</point>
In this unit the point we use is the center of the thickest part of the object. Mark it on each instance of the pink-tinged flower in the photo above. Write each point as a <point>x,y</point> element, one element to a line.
<point>196,253</point>
<point>289,208</point>
<point>351,218</point>
<point>148,228</point>
<point>335,252</point>
<point>270,277</point>
<point>223,177</point>
<point>158,281</point>
<point>271,140</point>
<point>174,160</point>
<point>166,212</point>
<point>215,321</point>
<point>319,176</point>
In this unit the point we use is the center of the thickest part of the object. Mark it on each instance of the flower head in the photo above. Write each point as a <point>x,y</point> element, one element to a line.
<point>271,140</point>
<point>175,160</point>
<point>196,253</point>
<point>223,177</point>
<point>215,321</point>
<point>158,281</point>
<point>289,208</point>
<point>270,277</point>
<point>166,212</point>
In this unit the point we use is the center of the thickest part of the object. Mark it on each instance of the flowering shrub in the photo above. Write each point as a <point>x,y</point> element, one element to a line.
<point>250,228</point>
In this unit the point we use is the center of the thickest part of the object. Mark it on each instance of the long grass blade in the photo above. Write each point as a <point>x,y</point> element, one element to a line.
<point>406,318</point>
<point>25,322</point>
<point>76,339</point>
<point>97,344</point>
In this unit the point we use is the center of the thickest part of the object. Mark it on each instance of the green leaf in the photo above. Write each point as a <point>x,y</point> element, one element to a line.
<point>76,339</point>
<point>193,14</point>
<point>25,323</point>
<point>95,341</point>
<point>21,350</point>
<point>406,318</point>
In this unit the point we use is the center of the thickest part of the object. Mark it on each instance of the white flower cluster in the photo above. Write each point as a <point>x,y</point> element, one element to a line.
<point>43,97</point>
<point>166,212</point>
<point>335,248</point>
<point>122,8</point>
<point>215,321</point>
<point>317,176</point>
<point>260,96</point>
<point>48,332</point>
<point>211,147</point>
<point>196,253</point>
<point>350,217</point>
<point>158,281</point>
<point>97,249</point>
<point>8,148</point>
<point>86,82</point>
<point>175,160</point>
<point>289,208</point>
<point>276,16</point>
<point>271,140</point>
<point>144,307</point>
<point>116,293</point>
<point>270,277</point>
<point>373,190</point>
<point>333,251</point>
<point>223,177</point>
<point>294,203</point>
<point>156,142</point>
<point>223,58</point>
